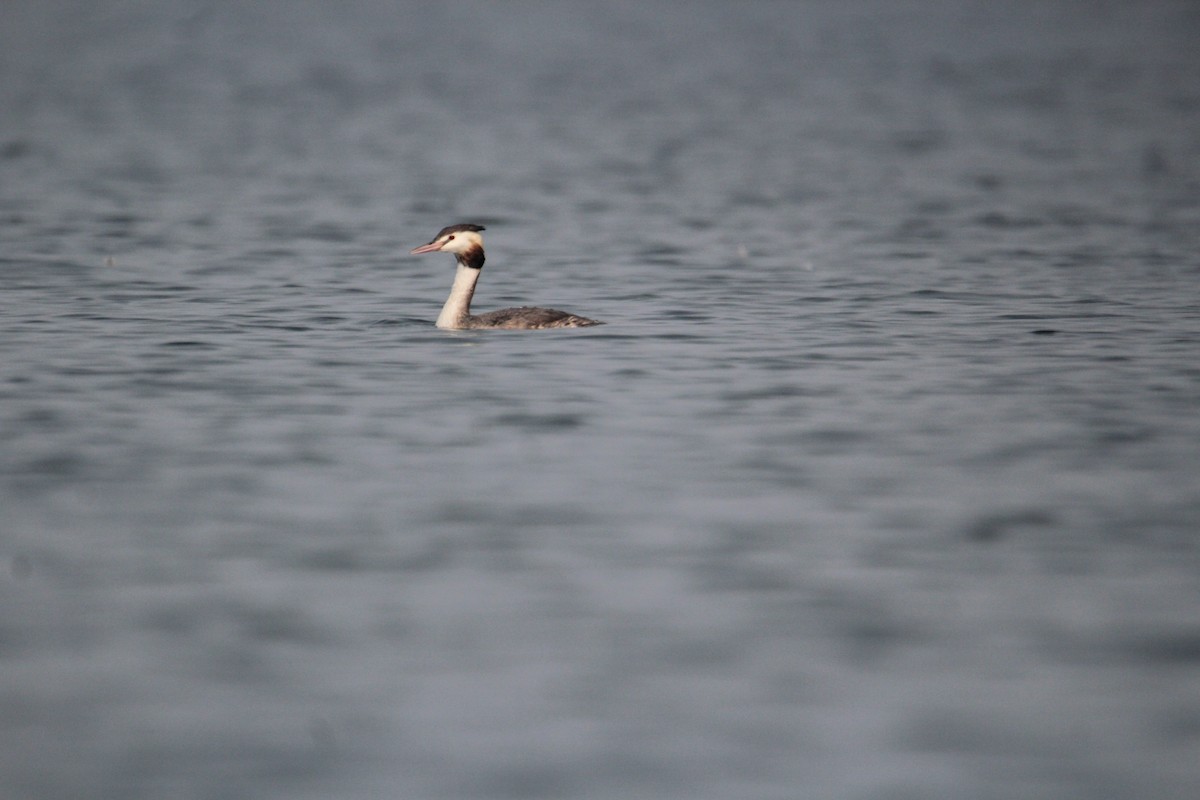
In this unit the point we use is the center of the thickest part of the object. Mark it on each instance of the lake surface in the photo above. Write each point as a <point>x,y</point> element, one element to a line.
<point>882,479</point>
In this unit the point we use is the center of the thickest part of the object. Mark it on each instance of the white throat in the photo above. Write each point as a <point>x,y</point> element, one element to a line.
<point>458,305</point>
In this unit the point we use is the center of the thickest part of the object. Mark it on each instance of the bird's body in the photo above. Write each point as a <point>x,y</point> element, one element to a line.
<point>465,243</point>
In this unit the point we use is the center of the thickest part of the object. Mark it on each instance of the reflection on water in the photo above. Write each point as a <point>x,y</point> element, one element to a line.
<point>879,481</point>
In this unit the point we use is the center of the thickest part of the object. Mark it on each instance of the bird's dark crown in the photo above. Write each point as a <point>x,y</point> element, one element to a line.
<point>463,226</point>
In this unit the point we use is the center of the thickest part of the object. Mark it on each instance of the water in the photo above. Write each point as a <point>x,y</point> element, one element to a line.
<point>880,482</point>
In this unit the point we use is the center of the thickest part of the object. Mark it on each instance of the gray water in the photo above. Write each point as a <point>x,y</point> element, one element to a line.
<point>882,479</point>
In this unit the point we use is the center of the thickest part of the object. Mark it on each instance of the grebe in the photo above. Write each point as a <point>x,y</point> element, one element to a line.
<point>466,244</point>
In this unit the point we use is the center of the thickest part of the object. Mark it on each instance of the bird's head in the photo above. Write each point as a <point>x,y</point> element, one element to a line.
<point>461,240</point>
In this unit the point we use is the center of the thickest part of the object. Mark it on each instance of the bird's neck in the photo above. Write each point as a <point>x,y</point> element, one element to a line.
<point>458,305</point>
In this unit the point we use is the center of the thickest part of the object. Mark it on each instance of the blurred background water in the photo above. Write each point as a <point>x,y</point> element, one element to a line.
<point>880,482</point>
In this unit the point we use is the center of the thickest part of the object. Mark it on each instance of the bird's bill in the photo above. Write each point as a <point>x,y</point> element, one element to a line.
<point>432,247</point>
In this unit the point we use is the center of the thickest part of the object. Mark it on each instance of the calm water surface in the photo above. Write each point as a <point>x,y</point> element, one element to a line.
<point>882,480</point>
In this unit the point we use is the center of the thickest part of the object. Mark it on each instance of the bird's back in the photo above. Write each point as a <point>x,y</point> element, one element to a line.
<point>530,318</point>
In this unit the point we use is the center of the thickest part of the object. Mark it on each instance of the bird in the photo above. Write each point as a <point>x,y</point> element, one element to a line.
<point>465,243</point>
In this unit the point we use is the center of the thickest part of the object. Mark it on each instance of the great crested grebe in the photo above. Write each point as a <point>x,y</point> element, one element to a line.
<point>466,244</point>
